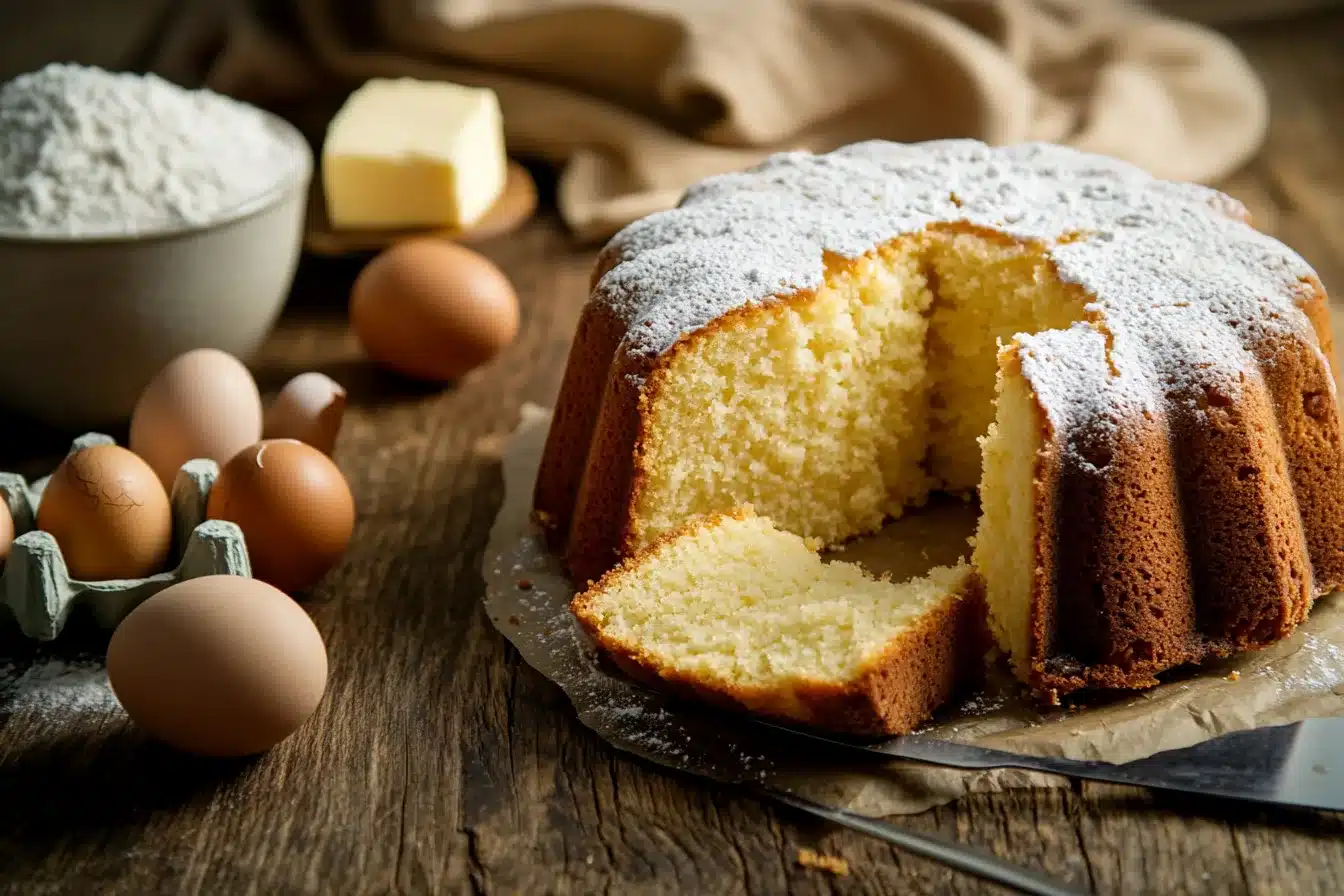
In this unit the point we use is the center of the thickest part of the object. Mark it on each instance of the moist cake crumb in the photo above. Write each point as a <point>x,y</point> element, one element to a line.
<point>810,858</point>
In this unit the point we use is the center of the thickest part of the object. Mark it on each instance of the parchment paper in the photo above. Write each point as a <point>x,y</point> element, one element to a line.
<point>527,598</point>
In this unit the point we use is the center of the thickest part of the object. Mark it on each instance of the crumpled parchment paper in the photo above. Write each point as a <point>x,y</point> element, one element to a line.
<point>527,598</point>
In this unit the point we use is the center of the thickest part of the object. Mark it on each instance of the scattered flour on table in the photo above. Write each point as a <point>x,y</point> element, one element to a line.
<point>56,689</point>
<point>88,152</point>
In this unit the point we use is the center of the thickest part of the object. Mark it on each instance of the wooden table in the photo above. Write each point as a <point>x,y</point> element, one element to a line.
<point>440,763</point>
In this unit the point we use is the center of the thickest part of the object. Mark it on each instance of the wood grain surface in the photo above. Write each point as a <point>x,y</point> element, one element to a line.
<point>439,763</point>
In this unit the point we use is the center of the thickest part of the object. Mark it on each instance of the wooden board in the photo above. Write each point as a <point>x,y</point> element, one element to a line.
<point>517,203</point>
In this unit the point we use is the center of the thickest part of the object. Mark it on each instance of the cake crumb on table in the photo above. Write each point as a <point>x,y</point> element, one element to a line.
<point>810,858</point>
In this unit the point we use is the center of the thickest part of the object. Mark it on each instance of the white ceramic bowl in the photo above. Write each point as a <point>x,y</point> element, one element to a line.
<point>86,322</point>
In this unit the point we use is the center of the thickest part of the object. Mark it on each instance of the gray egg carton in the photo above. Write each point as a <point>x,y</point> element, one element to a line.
<point>36,585</point>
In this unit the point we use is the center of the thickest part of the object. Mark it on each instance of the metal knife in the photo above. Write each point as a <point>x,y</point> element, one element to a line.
<point>1299,765</point>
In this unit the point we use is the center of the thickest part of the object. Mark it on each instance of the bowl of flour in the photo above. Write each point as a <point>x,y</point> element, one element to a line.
<point>138,220</point>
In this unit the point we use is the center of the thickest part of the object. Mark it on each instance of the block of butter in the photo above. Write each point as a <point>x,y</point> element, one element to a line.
<point>404,153</point>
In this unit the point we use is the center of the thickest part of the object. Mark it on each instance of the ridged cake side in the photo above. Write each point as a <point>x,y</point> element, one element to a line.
<point>1168,539</point>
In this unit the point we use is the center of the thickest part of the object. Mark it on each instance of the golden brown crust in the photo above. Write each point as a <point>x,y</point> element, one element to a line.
<point>1303,393</point>
<point>1188,537</point>
<point>577,409</point>
<point>894,694</point>
<point>1315,304</point>
<point>942,656</point>
<point>1112,596</point>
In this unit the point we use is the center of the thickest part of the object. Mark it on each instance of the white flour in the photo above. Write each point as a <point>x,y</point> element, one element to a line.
<point>89,152</point>
<point>56,689</point>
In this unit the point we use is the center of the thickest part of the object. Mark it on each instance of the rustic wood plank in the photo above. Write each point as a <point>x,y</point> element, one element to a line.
<point>1271,852</point>
<point>1137,845</point>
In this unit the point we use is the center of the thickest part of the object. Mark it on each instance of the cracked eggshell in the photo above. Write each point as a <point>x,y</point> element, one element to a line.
<point>293,506</point>
<point>109,514</point>
<point>309,408</point>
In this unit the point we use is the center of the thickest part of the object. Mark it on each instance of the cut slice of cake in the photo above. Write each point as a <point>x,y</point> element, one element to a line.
<point>736,612</point>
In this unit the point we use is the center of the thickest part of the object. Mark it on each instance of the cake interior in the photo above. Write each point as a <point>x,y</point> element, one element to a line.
<point>1004,550</point>
<point>885,382</point>
<point>987,292</point>
<point>744,607</point>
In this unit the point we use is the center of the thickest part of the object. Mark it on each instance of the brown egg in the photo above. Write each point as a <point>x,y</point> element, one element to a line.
<point>433,310</point>
<point>294,507</point>
<point>309,408</point>
<point>109,514</point>
<point>6,529</point>
<point>203,404</point>
<point>218,666</point>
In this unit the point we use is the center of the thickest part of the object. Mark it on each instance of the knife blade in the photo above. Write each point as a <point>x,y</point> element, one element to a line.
<point>1298,765</point>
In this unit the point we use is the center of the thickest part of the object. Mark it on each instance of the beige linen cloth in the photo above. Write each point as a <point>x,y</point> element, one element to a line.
<point>636,99</point>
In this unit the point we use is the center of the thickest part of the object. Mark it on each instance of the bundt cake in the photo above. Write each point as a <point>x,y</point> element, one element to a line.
<point>831,337</point>
<point>737,612</point>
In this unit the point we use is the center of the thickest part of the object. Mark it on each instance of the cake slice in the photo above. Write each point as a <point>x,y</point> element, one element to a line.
<point>736,612</point>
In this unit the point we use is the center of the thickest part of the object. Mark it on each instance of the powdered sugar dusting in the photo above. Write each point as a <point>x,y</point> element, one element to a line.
<point>1070,373</point>
<point>56,689</point>
<point>1172,268</point>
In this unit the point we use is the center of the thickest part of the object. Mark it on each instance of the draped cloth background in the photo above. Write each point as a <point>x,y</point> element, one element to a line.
<point>634,100</point>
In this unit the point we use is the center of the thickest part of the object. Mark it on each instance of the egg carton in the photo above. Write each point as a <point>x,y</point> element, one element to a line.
<point>37,587</point>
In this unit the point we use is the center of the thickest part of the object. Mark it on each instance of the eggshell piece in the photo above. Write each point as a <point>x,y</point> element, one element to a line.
<point>309,408</point>
<point>294,507</point>
<point>204,404</point>
<point>218,666</point>
<point>433,310</point>
<point>109,513</point>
